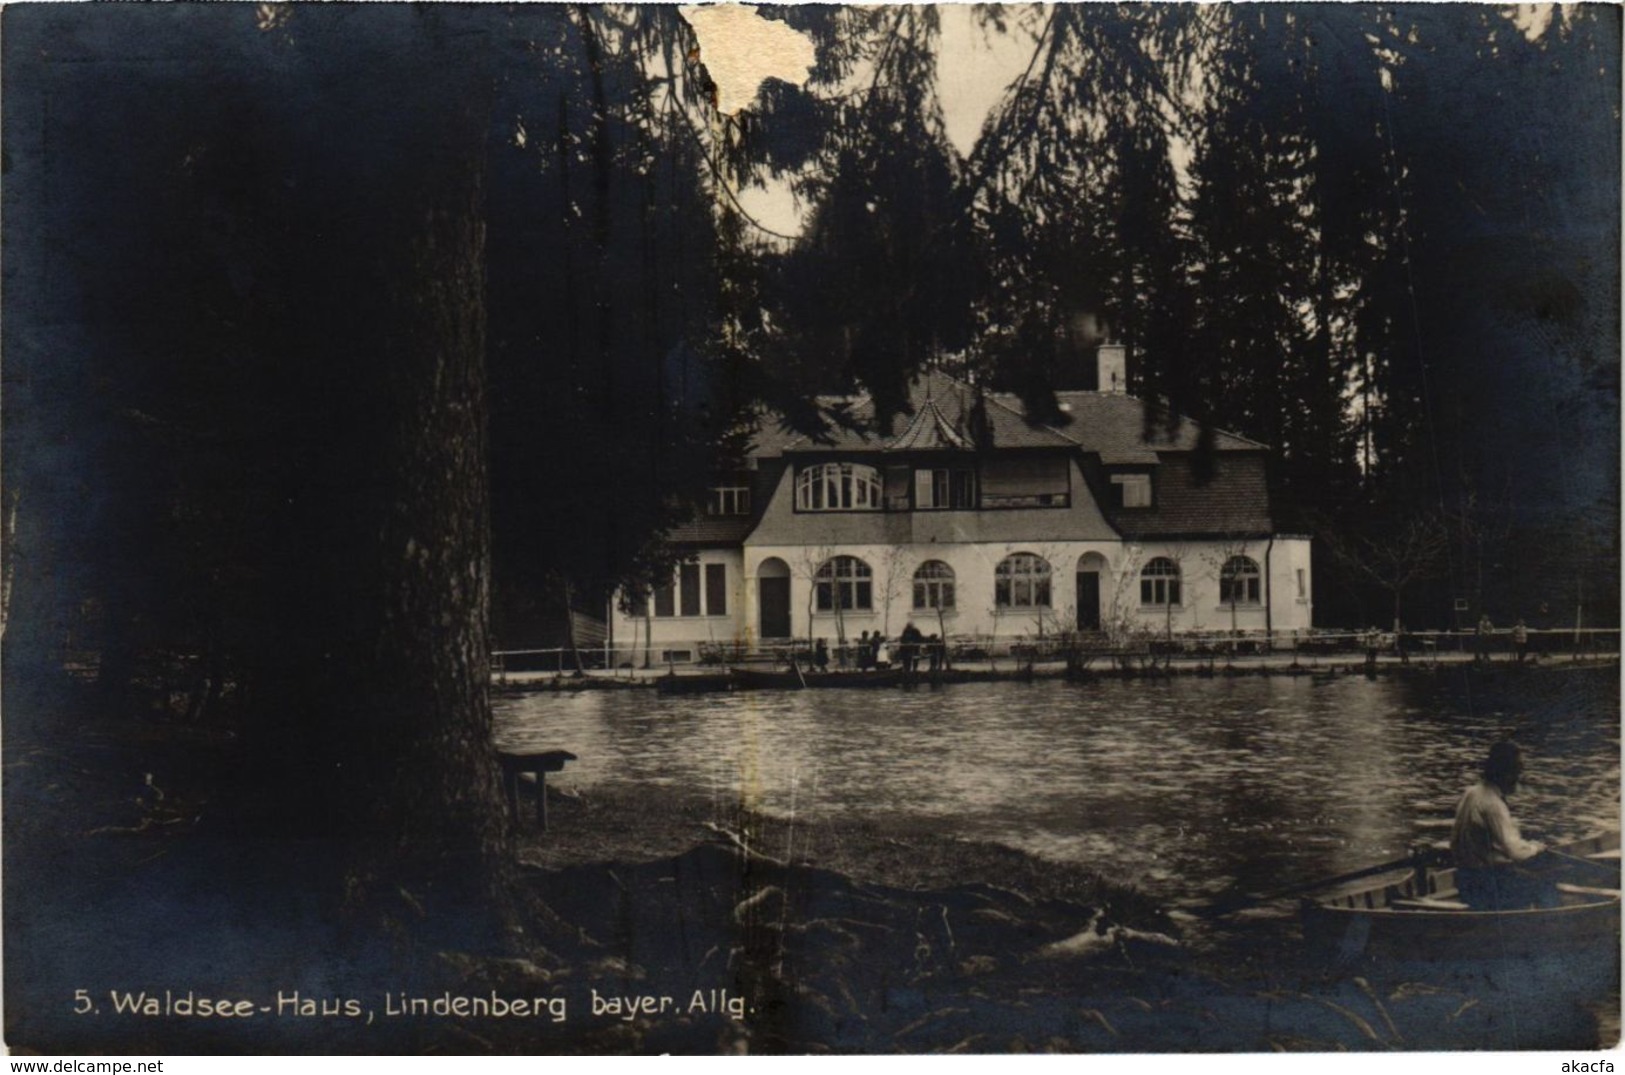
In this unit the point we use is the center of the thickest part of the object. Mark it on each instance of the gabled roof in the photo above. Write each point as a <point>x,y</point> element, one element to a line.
<point>930,430</point>
<point>949,414</point>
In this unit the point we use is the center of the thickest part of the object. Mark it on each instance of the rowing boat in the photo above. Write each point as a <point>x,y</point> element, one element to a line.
<point>1415,914</point>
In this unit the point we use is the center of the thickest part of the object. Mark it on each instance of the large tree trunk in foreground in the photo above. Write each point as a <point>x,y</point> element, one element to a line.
<point>369,723</point>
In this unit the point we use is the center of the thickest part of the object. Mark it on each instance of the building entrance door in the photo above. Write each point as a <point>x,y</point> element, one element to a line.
<point>1088,600</point>
<point>775,606</point>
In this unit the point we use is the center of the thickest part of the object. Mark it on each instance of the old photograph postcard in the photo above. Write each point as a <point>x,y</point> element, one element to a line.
<point>900,529</point>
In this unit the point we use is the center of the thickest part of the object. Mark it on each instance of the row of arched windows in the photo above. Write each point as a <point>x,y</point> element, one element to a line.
<point>1021,580</point>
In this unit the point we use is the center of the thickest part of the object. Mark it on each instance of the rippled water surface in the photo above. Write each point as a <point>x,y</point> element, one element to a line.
<point>1182,786</point>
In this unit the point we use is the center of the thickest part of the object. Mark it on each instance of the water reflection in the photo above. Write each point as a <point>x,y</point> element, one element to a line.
<point>1183,787</point>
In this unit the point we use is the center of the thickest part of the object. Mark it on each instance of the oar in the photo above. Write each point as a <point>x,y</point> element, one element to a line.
<point>1609,868</point>
<point>1427,856</point>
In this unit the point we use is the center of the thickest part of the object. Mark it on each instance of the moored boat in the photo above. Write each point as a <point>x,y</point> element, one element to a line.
<point>693,683</point>
<point>759,679</point>
<point>1414,914</point>
<point>764,679</point>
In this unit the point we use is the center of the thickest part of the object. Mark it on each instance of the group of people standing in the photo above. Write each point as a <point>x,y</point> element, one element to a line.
<point>1482,633</point>
<point>911,652</point>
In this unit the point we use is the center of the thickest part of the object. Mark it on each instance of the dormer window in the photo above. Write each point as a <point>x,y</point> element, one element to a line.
<point>838,487</point>
<point>728,500</point>
<point>1132,490</point>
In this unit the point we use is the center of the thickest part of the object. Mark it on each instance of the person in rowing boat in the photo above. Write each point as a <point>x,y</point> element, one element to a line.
<point>1496,868</point>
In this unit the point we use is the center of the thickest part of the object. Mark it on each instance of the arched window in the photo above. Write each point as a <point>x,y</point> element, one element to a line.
<point>844,582</point>
<point>838,487</point>
<point>934,586</point>
<point>1021,581</point>
<point>1159,582</point>
<point>1239,581</point>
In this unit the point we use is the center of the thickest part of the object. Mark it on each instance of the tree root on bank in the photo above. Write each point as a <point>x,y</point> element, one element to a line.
<point>738,842</point>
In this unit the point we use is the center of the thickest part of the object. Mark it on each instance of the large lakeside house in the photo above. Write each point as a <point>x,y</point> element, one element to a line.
<point>982,527</point>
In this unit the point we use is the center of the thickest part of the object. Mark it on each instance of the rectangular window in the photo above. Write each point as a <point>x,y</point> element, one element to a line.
<point>1303,586</point>
<point>665,600</point>
<point>716,590</point>
<point>924,490</point>
<point>1022,482</point>
<point>854,596</point>
<point>963,492</point>
<point>944,488</point>
<point>729,500</point>
<point>1159,590</point>
<point>688,586</point>
<point>1133,490</point>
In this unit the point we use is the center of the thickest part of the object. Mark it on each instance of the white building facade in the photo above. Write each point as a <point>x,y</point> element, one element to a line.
<point>976,524</point>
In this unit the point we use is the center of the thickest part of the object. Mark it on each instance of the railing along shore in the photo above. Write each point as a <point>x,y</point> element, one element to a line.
<point>1077,649</point>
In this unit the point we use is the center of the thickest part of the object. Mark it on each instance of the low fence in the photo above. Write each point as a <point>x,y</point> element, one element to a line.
<point>1498,643</point>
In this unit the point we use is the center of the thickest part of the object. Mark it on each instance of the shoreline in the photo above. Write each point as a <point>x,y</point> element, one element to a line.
<point>608,824</point>
<point>701,679</point>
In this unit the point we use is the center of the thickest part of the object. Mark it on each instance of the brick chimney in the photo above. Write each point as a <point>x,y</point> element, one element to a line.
<point>1111,363</point>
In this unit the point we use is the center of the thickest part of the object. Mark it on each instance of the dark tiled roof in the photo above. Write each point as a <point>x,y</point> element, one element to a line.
<point>1234,502</point>
<point>1115,425</point>
<point>944,416</point>
<point>712,530</point>
<point>947,414</point>
<point>1009,427</point>
<point>954,403</point>
<point>773,437</point>
<point>731,529</point>
<point>929,430</point>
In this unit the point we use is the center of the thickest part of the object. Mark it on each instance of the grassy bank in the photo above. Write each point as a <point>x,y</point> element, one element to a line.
<point>638,823</point>
<point>867,936</point>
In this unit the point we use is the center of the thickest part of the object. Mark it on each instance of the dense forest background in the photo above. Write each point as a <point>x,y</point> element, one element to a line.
<point>1382,240</point>
<point>330,329</point>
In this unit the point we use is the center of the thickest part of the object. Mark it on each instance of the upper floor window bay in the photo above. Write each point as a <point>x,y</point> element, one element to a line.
<point>728,500</point>
<point>838,487</point>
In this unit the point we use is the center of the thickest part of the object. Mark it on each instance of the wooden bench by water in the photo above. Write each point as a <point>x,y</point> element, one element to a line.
<point>539,763</point>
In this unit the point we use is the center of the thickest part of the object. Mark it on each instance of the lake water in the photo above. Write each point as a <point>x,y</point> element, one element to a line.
<point>1183,787</point>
